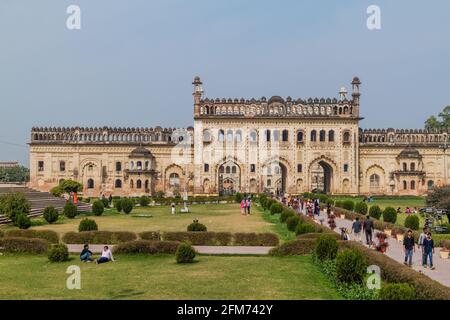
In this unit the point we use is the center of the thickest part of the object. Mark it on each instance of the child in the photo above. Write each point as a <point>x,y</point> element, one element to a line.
<point>173,208</point>
<point>428,248</point>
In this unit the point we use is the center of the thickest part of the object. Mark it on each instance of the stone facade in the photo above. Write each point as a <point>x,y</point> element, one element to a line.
<point>275,145</point>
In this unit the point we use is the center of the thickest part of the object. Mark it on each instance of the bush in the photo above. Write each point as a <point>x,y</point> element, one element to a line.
<point>269,203</point>
<point>105,202</point>
<point>348,205</point>
<point>351,266</point>
<point>22,245</point>
<point>22,221</point>
<point>185,253</point>
<point>150,235</point>
<point>412,222</point>
<point>326,247</point>
<point>70,210</point>
<point>2,234</point>
<point>118,204</point>
<point>48,235</point>
<point>318,235</point>
<point>294,247</point>
<point>238,197</point>
<point>285,214</point>
<point>338,204</point>
<point>127,205</point>
<point>397,291</point>
<point>87,225</point>
<point>361,207</point>
<point>375,212</point>
<point>98,237</point>
<point>196,226</point>
<point>98,208</point>
<point>147,246</point>
<point>292,222</point>
<point>144,201</point>
<point>50,214</point>
<point>303,228</point>
<point>14,204</point>
<point>58,253</point>
<point>389,215</point>
<point>276,208</point>
<point>256,239</point>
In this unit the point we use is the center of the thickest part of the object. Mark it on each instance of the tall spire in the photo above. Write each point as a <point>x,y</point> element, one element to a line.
<point>198,93</point>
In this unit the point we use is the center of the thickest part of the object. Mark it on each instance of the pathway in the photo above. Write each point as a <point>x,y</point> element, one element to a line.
<point>232,250</point>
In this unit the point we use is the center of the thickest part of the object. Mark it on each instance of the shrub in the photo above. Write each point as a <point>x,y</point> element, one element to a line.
<point>144,201</point>
<point>87,225</point>
<point>14,204</point>
<point>58,253</point>
<point>317,235</point>
<point>276,208</point>
<point>294,247</point>
<point>238,197</point>
<point>292,222</point>
<point>22,221</point>
<point>50,214</point>
<point>70,210</point>
<point>256,239</point>
<point>127,205</point>
<point>98,237</point>
<point>196,226</point>
<point>361,207</point>
<point>269,203</point>
<point>397,291</point>
<point>338,204</point>
<point>118,204</point>
<point>185,253</point>
<point>150,235</point>
<point>98,208</point>
<point>285,214</point>
<point>389,215</point>
<point>326,247</point>
<point>224,238</point>
<point>21,245</point>
<point>147,246</point>
<point>48,235</point>
<point>105,202</point>
<point>351,266</point>
<point>348,205</point>
<point>303,228</point>
<point>412,222</point>
<point>2,234</point>
<point>375,212</point>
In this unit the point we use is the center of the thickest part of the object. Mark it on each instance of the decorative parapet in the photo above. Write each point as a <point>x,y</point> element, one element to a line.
<point>403,137</point>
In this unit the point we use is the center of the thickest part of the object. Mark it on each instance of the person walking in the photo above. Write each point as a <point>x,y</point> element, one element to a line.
<point>422,237</point>
<point>409,247</point>
<point>356,229</point>
<point>428,248</point>
<point>173,208</point>
<point>248,204</point>
<point>368,230</point>
<point>110,199</point>
<point>243,206</point>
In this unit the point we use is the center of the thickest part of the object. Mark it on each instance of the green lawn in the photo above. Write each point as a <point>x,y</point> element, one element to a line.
<point>160,277</point>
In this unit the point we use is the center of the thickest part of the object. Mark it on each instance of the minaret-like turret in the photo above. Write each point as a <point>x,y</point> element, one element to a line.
<point>198,93</point>
<point>355,90</point>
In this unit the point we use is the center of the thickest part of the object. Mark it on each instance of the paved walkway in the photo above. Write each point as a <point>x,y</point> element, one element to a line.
<point>395,251</point>
<point>97,248</point>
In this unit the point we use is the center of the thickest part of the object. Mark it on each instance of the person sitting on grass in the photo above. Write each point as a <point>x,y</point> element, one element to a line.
<point>86,254</point>
<point>106,256</point>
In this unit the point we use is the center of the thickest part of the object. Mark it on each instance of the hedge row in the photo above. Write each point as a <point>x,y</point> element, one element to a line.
<point>98,237</point>
<point>147,246</point>
<point>223,238</point>
<point>23,245</point>
<point>301,246</point>
<point>48,235</point>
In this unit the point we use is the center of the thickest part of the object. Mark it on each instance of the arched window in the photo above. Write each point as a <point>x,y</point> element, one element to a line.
<point>413,166</point>
<point>233,169</point>
<point>90,184</point>
<point>238,136</point>
<point>138,184</point>
<point>206,167</point>
<point>118,183</point>
<point>405,166</point>
<point>314,136</point>
<point>118,166</point>
<point>299,168</point>
<point>62,166</point>
<point>269,182</point>
<point>346,137</point>
<point>331,136</point>
<point>268,135</point>
<point>174,179</point>
<point>131,184</point>
<point>276,135</point>
<point>300,136</point>
<point>430,184</point>
<point>132,165</point>
<point>139,165</point>
<point>405,185</point>
<point>147,165</point>
<point>285,135</point>
<point>322,135</point>
<point>206,135</point>
<point>230,136</point>
<point>221,135</point>
<point>413,185</point>
<point>253,136</point>
<point>228,169</point>
<point>374,181</point>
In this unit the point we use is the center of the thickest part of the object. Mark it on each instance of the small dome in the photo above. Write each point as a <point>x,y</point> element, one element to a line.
<point>141,152</point>
<point>276,99</point>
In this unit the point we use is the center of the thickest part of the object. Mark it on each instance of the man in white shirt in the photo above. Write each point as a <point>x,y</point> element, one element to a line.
<point>106,256</point>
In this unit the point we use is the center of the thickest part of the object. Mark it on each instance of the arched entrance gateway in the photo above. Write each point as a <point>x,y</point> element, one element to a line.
<point>321,176</point>
<point>229,178</point>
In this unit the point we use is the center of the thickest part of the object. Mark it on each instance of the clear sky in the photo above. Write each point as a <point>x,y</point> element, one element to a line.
<point>133,61</point>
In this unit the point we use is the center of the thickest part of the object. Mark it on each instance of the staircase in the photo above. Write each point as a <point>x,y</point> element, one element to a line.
<point>39,201</point>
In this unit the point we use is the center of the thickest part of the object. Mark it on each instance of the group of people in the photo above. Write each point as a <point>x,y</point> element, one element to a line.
<point>408,210</point>
<point>246,204</point>
<point>86,255</point>
<point>425,243</point>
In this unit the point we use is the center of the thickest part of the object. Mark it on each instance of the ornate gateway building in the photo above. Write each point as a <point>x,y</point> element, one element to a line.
<point>275,145</point>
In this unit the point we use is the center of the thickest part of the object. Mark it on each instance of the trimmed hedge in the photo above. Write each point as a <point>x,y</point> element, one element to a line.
<point>294,247</point>
<point>127,205</point>
<point>48,235</point>
<point>50,214</point>
<point>196,226</point>
<point>256,239</point>
<point>98,207</point>
<point>351,266</point>
<point>223,238</point>
<point>286,214</point>
<point>389,215</point>
<point>292,223</point>
<point>70,210</point>
<point>318,235</point>
<point>276,208</point>
<point>98,237</point>
<point>23,245</point>
<point>361,207</point>
<point>117,203</point>
<point>185,253</point>
<point>150,235</point>
<point>305,228</point>
<point>58,253</point>
<point>348,205</point>
<point>397,291</point>
<point>375,212</point>
<point>326,247</point>
<point>87,225</point>
<point>147,246</point>
<point>412,222</point>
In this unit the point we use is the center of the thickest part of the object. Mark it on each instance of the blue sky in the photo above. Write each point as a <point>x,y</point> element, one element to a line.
<point>132,62</point>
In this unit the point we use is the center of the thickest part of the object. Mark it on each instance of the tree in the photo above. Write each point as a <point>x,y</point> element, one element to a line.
<point>443,122</point>
<point>14,204</point>
<point>66,186</point>
<point>14,174</point>
<point>439,197</point>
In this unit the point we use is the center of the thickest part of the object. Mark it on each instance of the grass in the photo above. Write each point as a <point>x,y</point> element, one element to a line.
<point>277,226</point>
<point>222,217</point>
<point>160,277</point>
